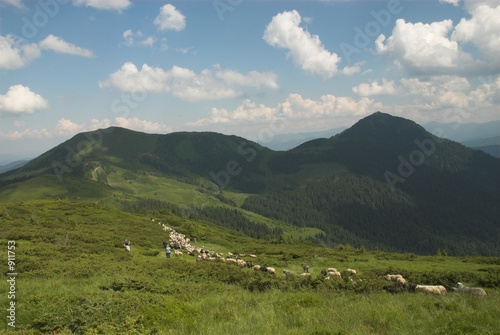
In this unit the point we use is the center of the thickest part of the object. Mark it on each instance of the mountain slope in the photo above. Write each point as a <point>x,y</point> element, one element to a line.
<point>385,182</point>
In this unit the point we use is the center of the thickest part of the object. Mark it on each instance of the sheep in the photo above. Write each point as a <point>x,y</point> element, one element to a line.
<point>257,267</point>
<point>177,253</point>
<point>331,272</point>
<point>351,271</point>
<point>305,274</point>
<point>253,256</point>
<point>305,267</point>
<point>334,274</point>
<point>431,289</point>
<point>241,263</point>
<point>477,291</point>
<point>270,270</point>
<point>288,272</point>
<point>396,278</point>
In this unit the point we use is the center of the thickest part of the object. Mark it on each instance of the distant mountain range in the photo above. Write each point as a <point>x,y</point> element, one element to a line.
<point>385,182</point>
<point>13,165</point>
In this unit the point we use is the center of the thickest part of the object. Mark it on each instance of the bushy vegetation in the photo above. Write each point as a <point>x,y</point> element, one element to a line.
<point>74,277</point>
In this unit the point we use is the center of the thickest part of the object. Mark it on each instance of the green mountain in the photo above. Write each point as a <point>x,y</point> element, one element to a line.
<point>383,183</point>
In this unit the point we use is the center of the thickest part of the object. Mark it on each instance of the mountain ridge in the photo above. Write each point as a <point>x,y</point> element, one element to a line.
<point>384,182</point>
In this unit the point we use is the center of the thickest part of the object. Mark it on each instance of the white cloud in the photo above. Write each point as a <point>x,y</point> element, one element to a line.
<point>296,108</point>
<point>374,88</point>
<point>186,84</point>
<point>251,79</point>
<point>118,5</point>
<point>438,48</point>
<point>170,19</point>
<point>26,133</point>
<point>131,39</point>
<point>437,92</point>
<point>20,99</point>
<point>451,2</point>
<point>423,48</point>
<point>306,50</point>
<point>470,5</point>
<point>129,79</point>
<point>142,125</point>
<point>57,44</point>
<point>482,30</point>
<point>14,54</point>
<point>67,128</point>
<point>487,94</point>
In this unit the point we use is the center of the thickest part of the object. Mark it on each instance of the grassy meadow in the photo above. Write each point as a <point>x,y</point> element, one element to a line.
<point>74,277</point>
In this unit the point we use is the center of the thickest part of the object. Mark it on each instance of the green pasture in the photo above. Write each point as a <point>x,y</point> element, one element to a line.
<point>74,277</point>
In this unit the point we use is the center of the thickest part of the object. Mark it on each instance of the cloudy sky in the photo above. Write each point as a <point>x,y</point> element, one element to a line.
<point>250,68</point>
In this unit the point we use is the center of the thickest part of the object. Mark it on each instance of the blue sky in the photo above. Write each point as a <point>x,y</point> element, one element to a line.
<point>250,68</point>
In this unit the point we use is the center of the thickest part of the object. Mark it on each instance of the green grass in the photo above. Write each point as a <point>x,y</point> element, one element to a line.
<point>75,278</point>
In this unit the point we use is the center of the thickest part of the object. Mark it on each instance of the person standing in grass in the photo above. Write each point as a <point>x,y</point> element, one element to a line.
<point>168,251</point>
<point>126,245</point>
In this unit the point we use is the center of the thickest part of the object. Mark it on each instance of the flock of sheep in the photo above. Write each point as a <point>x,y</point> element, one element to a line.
<point>400,284</point>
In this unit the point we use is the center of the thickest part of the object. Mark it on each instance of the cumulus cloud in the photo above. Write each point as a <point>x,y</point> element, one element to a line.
<point>20,99</point>
<point>438,48</point>
<point>306,50</point>
<point>437,92</point>
<point>170,19</point>
<point>57,44</point>
<point>186,84</point>
<point>374,88</point>
<point>118,5</point>
<point>470,5</point>
<point>142,125</point>
<point>422,48</point>
<point>15,54</point>
<point>482,30</point>
<point>65,127</point>
<point>294,107</point>
<point>129,79</point>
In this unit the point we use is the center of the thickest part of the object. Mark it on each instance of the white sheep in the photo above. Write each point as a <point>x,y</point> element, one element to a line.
<point>241,263</point>
<point>257,267</point>
<point>270,270</point>
<point>177,253</point>
<point>288,272</point>
<point>395,278</point>
<point>334,274</point>
<point>431,289</point>
<point>351,271</point>
<point>477,291</point>
<point>305,274</point>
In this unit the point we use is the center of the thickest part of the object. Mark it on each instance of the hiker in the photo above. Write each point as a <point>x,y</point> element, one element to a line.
<point>168,251</point>
<point>126,245</point>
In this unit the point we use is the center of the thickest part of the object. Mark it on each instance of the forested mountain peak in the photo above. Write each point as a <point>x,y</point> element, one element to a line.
<point>384,128</point>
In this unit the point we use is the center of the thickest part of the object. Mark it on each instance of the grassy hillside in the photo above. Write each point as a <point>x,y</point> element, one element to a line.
<point>73,277</point>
